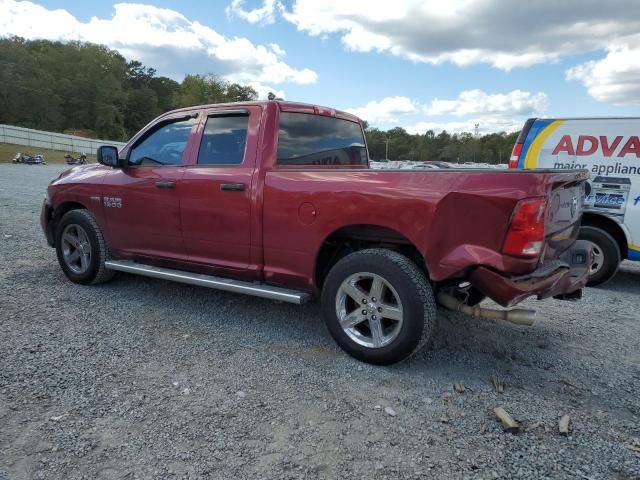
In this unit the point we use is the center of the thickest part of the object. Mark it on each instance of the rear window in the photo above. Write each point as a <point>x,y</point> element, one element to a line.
<point>305,139</point>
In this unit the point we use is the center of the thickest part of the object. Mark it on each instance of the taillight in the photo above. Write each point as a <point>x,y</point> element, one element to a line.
<point>525,237</point>
<point>515,155</point>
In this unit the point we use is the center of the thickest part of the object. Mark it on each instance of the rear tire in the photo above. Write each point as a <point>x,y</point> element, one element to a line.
<point>606,253</point>
<point>81,248</point>
<point>386,329</point>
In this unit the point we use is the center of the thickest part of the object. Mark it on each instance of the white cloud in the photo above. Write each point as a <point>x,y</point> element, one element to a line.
<point>263,14</point>
<point>477,102</point>
<point>385,111</point>
<point>160,38</point>
<point>493,112</point>
<point>615,78</point>
<point>467,32</point>
<point>277,49</point>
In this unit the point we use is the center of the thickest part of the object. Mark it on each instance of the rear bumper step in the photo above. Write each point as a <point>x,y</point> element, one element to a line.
<point>219,283</point>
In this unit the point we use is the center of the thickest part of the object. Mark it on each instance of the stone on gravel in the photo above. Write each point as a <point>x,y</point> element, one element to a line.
<point>563,424</point>
<point>508,422</point>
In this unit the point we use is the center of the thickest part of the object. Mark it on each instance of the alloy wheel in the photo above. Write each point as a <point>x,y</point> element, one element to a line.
<point>369,310</point>
<point>76,249</point>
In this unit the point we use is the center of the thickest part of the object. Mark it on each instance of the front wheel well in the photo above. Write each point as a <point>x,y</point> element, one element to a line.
<point>609,226</point>
<point>59,212</point>
<point>359,237</point>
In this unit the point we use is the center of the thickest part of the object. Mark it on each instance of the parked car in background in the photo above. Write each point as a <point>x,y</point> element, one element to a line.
<point>424,166</point>
<point>438,163</point>
<point>610,149</point>
<point>276,199</point>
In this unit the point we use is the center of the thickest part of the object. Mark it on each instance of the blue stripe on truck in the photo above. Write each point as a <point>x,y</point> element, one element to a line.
<point>537,127</point>
<point>633,254</point>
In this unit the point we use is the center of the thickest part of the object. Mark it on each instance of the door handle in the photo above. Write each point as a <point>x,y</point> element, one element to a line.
<point>232,187</point>
<point>165,184</point>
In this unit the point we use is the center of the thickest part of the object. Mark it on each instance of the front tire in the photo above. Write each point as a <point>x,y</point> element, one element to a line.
<point>378,306</point>
<point>606,255</point>
<point>81,248</point>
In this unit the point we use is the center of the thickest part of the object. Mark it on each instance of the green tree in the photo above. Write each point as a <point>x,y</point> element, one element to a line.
<point>206,89</point>
<point>240,93</point>
<point>142,106</point>
<point>138,75</point>
<point>54,86</point>
<point>165,89</point>
<point>460,147</point>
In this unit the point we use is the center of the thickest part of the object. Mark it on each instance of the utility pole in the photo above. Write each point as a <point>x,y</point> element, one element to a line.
<point>386,149</point>
<point>476,129</point>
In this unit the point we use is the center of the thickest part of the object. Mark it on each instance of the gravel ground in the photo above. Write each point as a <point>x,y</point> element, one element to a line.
<point>142,378</point>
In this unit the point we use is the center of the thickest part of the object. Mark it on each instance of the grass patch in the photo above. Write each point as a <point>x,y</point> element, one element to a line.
<point>8,151</point>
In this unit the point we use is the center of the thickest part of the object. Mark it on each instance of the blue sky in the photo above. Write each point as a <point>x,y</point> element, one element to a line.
<point>416,64</point>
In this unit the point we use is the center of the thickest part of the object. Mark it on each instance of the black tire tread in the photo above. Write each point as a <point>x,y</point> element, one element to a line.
<point>424,290</point>
<point>606,237</point>
<point>104,274</point>
<point>417,278</point>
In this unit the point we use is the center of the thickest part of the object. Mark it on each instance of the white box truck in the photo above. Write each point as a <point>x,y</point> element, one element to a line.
<point>610,149</point>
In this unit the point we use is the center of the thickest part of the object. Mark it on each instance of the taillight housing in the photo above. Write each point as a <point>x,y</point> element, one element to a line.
<point>515,155</point>
<point>525,237</point>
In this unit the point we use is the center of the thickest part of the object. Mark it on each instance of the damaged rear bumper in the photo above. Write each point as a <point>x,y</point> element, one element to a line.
<point>563,278</point>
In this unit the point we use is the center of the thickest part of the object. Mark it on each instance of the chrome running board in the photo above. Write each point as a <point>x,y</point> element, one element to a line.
<point>201,280</point>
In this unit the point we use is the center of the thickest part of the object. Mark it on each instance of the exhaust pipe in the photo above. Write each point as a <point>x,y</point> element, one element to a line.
<point>517,316</point>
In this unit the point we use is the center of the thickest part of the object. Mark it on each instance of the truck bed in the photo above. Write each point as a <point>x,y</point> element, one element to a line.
<point>443,212</point>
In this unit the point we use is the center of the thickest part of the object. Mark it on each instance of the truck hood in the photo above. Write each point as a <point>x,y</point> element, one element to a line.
<point>79,172</point>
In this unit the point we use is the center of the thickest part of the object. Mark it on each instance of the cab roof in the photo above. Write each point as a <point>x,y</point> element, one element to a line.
<point>283,105</point>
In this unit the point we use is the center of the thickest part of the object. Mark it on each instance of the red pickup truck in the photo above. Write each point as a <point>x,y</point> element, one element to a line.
<point>276,199</point>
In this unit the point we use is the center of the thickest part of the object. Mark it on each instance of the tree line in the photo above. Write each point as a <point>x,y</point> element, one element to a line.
<point>398,144</point>
<point>57,86</point>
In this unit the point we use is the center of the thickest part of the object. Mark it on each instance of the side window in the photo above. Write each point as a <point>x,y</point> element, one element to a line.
<point>164,146</point>
<point>305,139</point>
<point>223,140</point>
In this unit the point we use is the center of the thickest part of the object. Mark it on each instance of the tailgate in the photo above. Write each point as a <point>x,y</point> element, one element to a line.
<point>564,211</point>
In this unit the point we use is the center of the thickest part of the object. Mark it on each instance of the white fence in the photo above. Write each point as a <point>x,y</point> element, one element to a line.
<point>50,140</point>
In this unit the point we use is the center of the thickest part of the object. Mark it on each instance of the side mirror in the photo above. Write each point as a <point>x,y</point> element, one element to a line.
<point>108,155</point>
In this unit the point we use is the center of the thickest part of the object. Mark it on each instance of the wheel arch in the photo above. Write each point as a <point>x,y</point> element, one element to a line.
<point>611,227</point>
<point>58,212</point>
<point>351,238</point>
